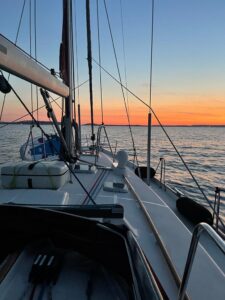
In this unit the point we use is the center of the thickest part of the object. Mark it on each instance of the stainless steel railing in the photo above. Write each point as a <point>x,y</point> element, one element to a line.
<point>98,143</point>
<point>216,207</point>
<point>192,250</point>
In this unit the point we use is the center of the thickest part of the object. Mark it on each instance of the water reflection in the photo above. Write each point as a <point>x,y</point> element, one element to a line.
<point>203,148</point>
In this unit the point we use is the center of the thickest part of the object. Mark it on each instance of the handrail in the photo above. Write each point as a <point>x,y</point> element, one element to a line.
<point>163,172</point>
<point>99,140</point>
<point>192,250</point>
<point>216,207</point>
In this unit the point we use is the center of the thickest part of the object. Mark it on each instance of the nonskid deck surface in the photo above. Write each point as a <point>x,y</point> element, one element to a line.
<point>176,239</point>
<point>72,194</point>
<point>175,236</point>
<point>170,199</point>
<point>78,276</point>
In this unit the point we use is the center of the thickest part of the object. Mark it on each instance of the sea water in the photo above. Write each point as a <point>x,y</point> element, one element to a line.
<point>202,148</point>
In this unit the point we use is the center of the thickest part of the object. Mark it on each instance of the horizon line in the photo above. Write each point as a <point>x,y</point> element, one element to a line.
<point>137,125</point>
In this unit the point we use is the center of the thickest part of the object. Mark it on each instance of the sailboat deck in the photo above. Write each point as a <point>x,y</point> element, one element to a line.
<point>173,233</point>
<point>175,236</point>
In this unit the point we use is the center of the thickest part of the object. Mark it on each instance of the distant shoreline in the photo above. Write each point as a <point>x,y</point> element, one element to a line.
<point>113,125</point>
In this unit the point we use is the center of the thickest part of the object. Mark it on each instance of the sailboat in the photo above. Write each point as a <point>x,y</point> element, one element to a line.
<point>81,222</point>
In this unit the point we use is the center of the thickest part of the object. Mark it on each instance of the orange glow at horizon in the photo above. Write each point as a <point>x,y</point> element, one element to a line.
<point>170,110</point>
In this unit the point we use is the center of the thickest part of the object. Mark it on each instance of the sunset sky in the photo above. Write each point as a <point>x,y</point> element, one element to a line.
<point>188,58</point>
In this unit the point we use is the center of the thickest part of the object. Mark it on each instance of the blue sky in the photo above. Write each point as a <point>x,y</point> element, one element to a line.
<point>189,47</point>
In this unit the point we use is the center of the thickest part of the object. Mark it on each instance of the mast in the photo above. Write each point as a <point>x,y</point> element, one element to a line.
<point>89,58</point>
<point>66,68</point>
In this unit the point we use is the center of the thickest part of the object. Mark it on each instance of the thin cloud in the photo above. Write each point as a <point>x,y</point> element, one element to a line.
<point>196,114</point>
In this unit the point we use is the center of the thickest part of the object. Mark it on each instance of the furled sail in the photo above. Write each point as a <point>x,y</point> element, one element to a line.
<point>17,62</point>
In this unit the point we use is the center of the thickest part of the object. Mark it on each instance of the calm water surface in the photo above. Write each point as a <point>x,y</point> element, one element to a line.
<point>203,148</point>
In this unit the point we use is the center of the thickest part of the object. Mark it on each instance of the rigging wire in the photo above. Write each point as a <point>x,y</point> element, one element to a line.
<point>30,40</point>
<point>89,58</point>
<point>167,135</point>
<point>73,74</point>
<point>151,56</point>
<point>78,141</point>
<point>73,71</point>
<point>16,39</point>
<point>54,100</point>
<point>46,135</point>
<point>22,50</point>
<point>149,139</point>
<point>76,53</point>
<point>99,59</point>
<point>35,50</point>
<point>124,53</point>
<point>120,81</point>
